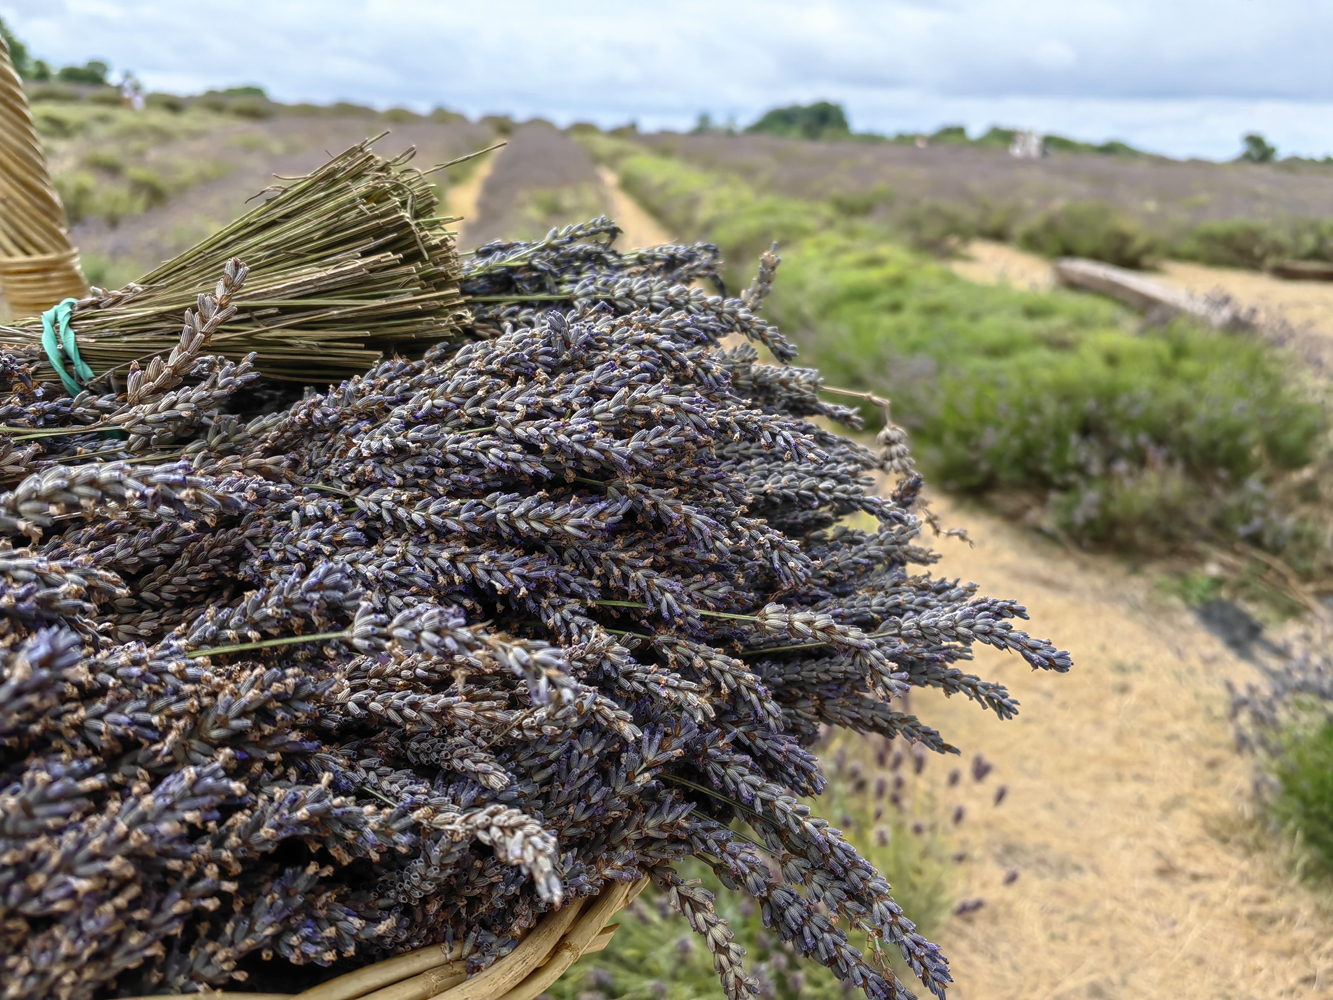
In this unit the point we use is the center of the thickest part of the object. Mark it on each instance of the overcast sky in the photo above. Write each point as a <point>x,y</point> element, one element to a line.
<point>1183,77</point>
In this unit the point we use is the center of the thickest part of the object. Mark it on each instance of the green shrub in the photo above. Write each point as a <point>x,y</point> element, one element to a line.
<point>53,92</point>
<point>401,116</point>
<point>349,110</point>
<point>18,52</point>
<point>1059,144</point>
<point>105,160</point>
<point>149,185</point>
<point>996,220</point>
<point>949,135</point>
<point>854,204</point>
<point>77,191</point>
<point>55,123</point>
<point>1304,803</point>
<point>255,109</point>
<point>106,272</point>
<point>165,102</point>
<point>110,97</point>
<point>1009,388</point>
<point>937,227</point>
<point>213,101</point>
<point>1091,229</point>
<point>996,138</point>
<point>1235,243</point>
<point>731,212</point>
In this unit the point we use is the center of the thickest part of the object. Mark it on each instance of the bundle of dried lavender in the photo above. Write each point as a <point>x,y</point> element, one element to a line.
<point>418,658</point>
<point>350,259</point>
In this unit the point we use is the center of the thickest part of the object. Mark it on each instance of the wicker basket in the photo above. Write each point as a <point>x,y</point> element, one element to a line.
<point>561,939</point>
<point>38,265</point>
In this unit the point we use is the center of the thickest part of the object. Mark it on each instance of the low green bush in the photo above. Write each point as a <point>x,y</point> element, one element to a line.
<point>940,228</point>
<point>149,185</point>
<point>106,160</point>
<point>401,116</point>
<point>1027,382</point>
<point>106,96</point>
<point>55,93</point>
<point>166,102</point>
<point>1256,244</point>
<point>1093,229</point>
<point>1304,802</point>
<point>1234,243</point>
<point>855,204</point>
<point>253,108</point>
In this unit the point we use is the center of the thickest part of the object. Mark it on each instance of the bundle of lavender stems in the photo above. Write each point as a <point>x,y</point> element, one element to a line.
<point>418,657</point>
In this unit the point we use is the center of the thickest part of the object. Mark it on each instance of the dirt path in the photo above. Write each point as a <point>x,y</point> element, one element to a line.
<point>989,263</point>
<point>1302,302</point>
<point>640,228</point>
<point>1121,830</point>
<point>461,199</point>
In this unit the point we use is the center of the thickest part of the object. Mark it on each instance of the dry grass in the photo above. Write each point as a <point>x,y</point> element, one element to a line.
<point>1136,874</point>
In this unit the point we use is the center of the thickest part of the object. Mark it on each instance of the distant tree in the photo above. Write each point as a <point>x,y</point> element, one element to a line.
<point>1257,149</point>
<point>93,73</point>
<point>704,123</point>
<point>18,52</point>
<point>821,120</point>
<point>950,135</point>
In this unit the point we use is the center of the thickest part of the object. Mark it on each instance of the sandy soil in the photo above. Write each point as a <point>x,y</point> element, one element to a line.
<point>640,228</point>
<point>989,263</point>
<point>1301,302</point>
<point>1116,865</point>
<point>461,199</point>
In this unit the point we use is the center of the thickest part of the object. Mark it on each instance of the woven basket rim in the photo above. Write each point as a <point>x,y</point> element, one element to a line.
<point>39,260</point>
<point>560,939</point>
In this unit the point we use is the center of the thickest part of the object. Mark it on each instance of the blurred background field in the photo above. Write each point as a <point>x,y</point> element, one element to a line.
<point>1153,489</point>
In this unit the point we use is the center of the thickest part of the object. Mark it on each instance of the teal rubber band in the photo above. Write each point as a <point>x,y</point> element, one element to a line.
<point>58,317</point>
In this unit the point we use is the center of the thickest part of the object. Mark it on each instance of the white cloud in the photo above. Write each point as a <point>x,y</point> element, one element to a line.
<point>1053,54</point>
<point>1182,77</point>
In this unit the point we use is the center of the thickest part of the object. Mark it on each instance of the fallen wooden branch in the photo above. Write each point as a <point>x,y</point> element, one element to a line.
<point>1154,299</point>
<point>1303,270</point>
